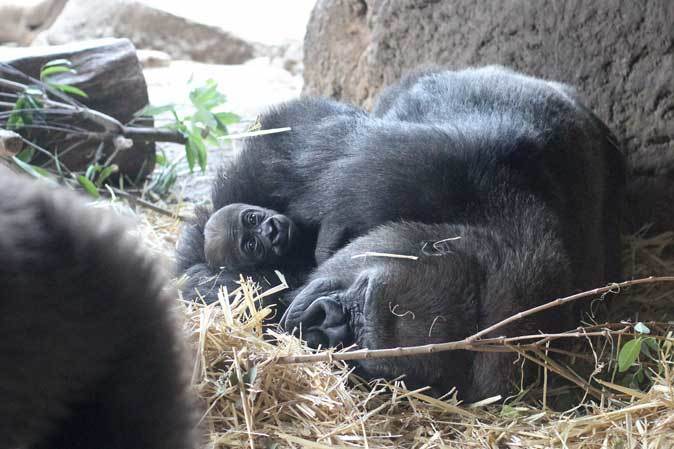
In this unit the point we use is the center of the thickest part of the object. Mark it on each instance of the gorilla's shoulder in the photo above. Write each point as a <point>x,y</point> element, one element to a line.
<point>305,110</point>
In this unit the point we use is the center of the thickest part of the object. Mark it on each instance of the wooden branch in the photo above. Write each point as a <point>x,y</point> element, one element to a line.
<point>562,301</point>
<point>472,342</point>
<point>109,72</point>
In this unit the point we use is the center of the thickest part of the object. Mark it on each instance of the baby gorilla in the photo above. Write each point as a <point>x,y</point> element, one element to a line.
<point>242,237</point>
<point>90,347</point>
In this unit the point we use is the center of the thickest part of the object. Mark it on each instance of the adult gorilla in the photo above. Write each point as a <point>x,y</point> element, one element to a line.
<point>527,177</point>
<point>90,349</point>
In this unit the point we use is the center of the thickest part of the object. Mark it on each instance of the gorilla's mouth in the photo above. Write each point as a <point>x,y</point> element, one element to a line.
<point>281,235</point>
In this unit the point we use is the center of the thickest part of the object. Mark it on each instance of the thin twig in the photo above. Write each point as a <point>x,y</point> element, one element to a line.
<point>562,301</point>
<point>469,343</point>
<point>134,199</point>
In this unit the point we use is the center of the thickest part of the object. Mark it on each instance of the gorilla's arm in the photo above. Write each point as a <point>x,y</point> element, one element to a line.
<point>90,349</point>
<point>190,246</point>
<point>271,170</point>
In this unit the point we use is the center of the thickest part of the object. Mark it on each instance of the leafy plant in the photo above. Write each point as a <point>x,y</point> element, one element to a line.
<point>164,176</point>
<point>205,122</point>
<point>56,67</point>
<point>632,354</point>
<point>43,106</point>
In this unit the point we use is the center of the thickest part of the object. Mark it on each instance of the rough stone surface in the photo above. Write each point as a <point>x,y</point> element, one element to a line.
<point>23,19</point>
<point>109,72</point>
<point>146,27</point>
<point>618,53</point>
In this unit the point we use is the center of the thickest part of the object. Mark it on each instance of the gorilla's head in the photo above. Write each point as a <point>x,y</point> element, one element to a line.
<point>240,236</point>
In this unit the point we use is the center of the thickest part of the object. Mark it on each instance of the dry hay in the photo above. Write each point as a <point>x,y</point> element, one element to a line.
<point>254,401</point>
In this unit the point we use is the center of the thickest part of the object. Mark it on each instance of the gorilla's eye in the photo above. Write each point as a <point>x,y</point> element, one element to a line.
<point>250,245</point>
<point>251,218</point>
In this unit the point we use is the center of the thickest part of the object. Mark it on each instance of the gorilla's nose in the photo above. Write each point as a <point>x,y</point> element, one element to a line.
<point>269,229</point>
<point>325,323</point>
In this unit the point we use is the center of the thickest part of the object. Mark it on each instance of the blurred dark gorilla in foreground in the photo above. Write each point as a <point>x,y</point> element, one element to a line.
<point>90,349</point>
<point>527,179</point>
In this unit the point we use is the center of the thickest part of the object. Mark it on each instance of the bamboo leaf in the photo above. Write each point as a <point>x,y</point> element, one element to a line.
<point>33,170</point>
<point>190,154</point>
<point>53,70</point>
<point>227,118</point>
<point>88,186</point>
<point>105,174</point>
<point>155,110</point>
<point>26,155</point>
<point>68,89</point>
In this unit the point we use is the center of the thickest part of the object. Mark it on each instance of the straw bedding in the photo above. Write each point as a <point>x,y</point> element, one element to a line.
<point>251,400</point>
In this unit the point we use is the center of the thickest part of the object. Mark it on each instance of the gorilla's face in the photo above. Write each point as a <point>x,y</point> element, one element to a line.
<point>244,236</point>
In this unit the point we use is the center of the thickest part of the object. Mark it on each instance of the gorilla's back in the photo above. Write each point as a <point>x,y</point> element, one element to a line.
<point>467,97</point>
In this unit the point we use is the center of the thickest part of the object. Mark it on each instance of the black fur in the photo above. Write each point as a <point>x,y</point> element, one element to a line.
<point>516,166</point>
<point>434,146</point>
<point>90,348</point>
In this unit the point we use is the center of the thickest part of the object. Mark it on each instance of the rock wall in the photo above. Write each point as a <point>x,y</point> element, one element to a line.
<point>618,53</point>
<point>146,27</point>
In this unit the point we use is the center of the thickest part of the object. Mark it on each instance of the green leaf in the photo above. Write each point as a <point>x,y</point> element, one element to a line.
<point>653,343</point>
<point>33,102</point>
<point>207,96</point>
<point>88,186</point>
<point>105,174</point>
<point>629,354</point>
<point>508,411</point>
<point>641,328</point>
<point>204,116</point>
<point>68,89</point>
<point>155,110</point>
<point>227,118</point>
<point>15,121</point>
<point>190,154</point>
<point>26,155</point>
<point>160,159</point>
<point>197,143</point>
<point>33,170</point>
<point>57,62</point>
<point>53,70</point>
<point>91,171</point>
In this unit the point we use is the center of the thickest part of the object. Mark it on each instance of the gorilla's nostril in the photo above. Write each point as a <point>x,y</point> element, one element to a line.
<point>316,338</point>
<point>325,323</point>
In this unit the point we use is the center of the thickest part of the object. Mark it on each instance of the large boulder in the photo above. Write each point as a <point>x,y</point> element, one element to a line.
<point>146,27</point>
<point>618,53</point>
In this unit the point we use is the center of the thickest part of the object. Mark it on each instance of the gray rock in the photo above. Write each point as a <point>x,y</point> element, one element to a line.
<point>146,27</point>
<point>618,53</point>
<point>23,19</point>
